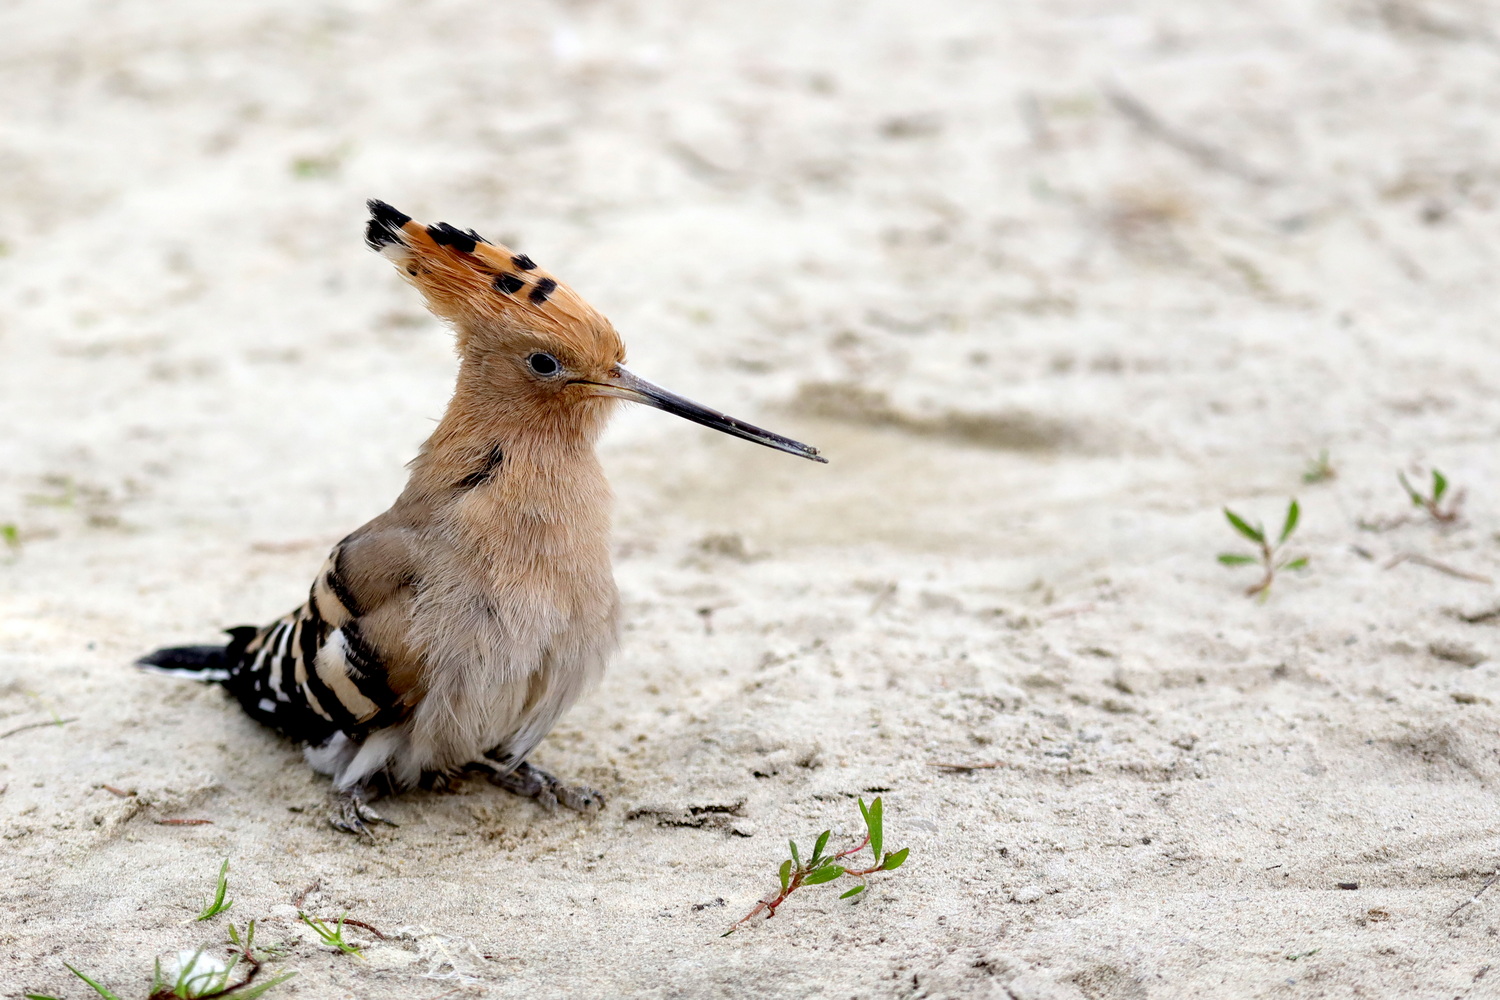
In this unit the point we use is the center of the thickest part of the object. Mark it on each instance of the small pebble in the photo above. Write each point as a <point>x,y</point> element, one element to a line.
<point>1028,894</point>
<point>1461,653</point>
<point>1348,885</point>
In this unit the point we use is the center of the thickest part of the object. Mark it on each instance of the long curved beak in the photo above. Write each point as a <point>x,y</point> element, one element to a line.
<point>623,384</point>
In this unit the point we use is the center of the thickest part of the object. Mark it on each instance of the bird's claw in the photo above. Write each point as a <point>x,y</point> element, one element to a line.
<point>534,783</point>
<point>348,811</point>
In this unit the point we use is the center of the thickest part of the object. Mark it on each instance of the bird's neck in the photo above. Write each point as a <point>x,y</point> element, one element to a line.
<point>506,452</point>
<point>524,499</point>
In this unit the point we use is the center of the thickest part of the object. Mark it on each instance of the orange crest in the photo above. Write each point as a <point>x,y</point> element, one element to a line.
<point>485,288</point>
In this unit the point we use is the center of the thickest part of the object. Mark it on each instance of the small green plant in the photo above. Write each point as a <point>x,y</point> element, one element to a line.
<point>11,536</point>
<point>198,979</point>
<point>65,495</point>
<point>318,167</point>
<point>820,867</point>
<point>1319,470</point>
<point>101,990</point>
<point>219,905</point>
<point>1269,558</point>
<point>1432,501</point>
<point>333,936</point>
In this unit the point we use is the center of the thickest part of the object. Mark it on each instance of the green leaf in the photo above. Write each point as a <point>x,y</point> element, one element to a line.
<point>187,980</point>
<point>1319,469</point>
<point>825,874</point>
<point>818,847</point>
<point>243,943</point>
<point>796,858</point>
<point>895,859</point>
<point>1234,559</point>
<point>864,811</point>
<point>260,988</point>
<point>1416,498</point>
<point>106,994</point>
<point>1296,564</point>
<point>1439,485</point>
<point>1239,524</point>
<point>38,996</point>
<point>218,906</point>
<point>786,875</point>
<point>873,820</point>
<point>1293,512</point>
<point>852,892</point>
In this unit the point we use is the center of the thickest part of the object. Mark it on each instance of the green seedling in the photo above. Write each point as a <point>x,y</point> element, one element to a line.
<point>1319,470</point>
<point>319,167</point>
<point>820,867</point>
<point>199,980</point>
<point>11,536</point>
<point>65,496</point>
<point>1269,558</point>
<point>101,990</point>
<point>218,906</point>
<point>194,983</point>
<point>242,943</point>
<point>1432,501</point>
<point>333,936</point>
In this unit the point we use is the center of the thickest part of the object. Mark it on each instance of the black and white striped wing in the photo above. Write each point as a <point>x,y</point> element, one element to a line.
<point>314,672</point>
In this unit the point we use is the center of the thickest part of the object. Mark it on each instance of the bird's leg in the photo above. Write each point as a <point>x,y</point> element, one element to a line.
<point>350,811</point>
<point>534,783</point>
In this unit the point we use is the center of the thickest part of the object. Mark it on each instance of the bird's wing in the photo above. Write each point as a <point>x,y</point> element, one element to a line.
<point>340,662</point>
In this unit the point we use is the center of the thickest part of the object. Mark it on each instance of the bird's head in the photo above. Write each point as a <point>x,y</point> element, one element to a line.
<point>531,347</point>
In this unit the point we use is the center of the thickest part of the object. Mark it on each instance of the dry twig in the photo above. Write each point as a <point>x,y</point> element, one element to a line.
<point>301,897</point>
<point>1206,154</point>
<point>1468,902</point>
<point>970,767</point>
<point>1421,560</point>
<point>36,725</point>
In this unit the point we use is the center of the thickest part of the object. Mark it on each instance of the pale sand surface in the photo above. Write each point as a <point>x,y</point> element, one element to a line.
<point>1043,340</point>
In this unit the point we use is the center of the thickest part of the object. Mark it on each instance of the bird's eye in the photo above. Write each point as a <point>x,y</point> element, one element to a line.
<point>544,364</point>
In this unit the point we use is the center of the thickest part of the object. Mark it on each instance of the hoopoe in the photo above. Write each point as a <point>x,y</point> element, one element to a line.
<point>452,631</point>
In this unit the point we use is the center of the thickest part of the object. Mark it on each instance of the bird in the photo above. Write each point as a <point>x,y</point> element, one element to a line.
<point>450,633</point>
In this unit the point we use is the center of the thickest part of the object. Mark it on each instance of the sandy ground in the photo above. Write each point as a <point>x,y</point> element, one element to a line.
<point>1050,282</point>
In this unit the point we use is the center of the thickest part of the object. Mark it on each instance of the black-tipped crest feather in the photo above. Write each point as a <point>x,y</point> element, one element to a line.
<point>384,227</point>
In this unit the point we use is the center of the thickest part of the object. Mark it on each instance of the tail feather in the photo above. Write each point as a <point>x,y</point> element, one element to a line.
<point>209,664</point>
<point>203,663</point>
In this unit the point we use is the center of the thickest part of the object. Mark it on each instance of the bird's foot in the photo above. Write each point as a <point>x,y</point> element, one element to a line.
<point>350,811</point>
<point>534,783</point>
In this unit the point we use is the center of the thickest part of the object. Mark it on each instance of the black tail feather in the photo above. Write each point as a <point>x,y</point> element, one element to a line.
<point>204,663</point>
<point>210,664</point>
